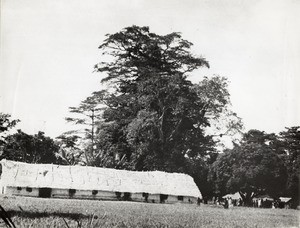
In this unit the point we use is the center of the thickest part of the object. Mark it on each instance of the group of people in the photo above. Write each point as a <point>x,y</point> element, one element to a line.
<point>228,202</point>
<point>261,203</point>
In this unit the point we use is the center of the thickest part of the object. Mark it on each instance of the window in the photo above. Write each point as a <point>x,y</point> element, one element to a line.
<point>28,189</point>
<point>118,194</point>
<point>94,192</point>
<point>19,188</point>
<point>180,198</point>
<point>163,198</point>
<point>146,195</point>
<point>72,192</point>
<point>45,192</point>
<point>127,196</point>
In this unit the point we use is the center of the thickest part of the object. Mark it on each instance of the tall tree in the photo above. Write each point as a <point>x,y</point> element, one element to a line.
<point>155,117</point>
<point>251,167</point>
<point>153,99</point>
<point>88,115</point>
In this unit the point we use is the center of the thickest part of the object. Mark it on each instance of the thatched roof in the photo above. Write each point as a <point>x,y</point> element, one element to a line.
<point>21,174</point>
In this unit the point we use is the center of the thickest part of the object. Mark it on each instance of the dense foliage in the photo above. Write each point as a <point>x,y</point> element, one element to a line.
<point>69,152</point>
<point>36,148</point>
<point>155,118</point>
<point>88,116</point>
<point>260,164</point>
<point>6,123</point>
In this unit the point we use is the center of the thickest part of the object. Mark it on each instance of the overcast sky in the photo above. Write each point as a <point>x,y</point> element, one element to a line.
<point>49,48</point>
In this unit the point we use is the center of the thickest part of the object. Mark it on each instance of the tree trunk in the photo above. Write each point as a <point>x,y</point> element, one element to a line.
<point>247,198</point>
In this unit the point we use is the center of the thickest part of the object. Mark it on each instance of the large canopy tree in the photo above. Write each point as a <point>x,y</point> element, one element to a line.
<point>252,167</point>
<point>155,116</point>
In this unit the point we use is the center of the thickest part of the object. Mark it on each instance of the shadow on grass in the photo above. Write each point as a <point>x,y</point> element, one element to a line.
<point>27,214</point>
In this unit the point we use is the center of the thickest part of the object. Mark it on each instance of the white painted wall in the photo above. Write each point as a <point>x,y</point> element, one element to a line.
<point>87,194</point>
<point>22,192</point>
<point>172,199</point>
<point>83,194</point>
<point>189,199</point>
<point>138,197</point>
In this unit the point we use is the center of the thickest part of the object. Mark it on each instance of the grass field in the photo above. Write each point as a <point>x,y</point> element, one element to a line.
<point>37,212</point>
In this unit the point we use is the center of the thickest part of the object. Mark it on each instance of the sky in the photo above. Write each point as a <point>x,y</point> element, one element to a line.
<point>48,50</point>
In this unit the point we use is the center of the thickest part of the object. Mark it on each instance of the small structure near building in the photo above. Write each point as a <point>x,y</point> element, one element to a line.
<point>231,200</point>
<point>284,202</point>
<point>235,196</point>
<point>84,182</point>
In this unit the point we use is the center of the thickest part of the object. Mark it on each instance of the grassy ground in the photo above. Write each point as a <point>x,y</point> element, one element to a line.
<point>36,212</point>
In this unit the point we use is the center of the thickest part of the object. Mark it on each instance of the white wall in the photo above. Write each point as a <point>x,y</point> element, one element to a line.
<point>83,194</point>
<point>172,199</point>
<point>22,192</point>
<point>87,194</point>
<point>189,199</point>
<point>138,197</point>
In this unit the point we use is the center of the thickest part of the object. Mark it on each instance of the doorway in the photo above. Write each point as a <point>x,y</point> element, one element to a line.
<point>45,192</point>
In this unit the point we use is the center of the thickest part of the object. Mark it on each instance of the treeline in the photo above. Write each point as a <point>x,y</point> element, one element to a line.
<point>260,164</point>
<point>151,117</point>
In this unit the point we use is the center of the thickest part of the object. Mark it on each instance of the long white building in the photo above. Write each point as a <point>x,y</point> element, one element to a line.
<point>84,182</point>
